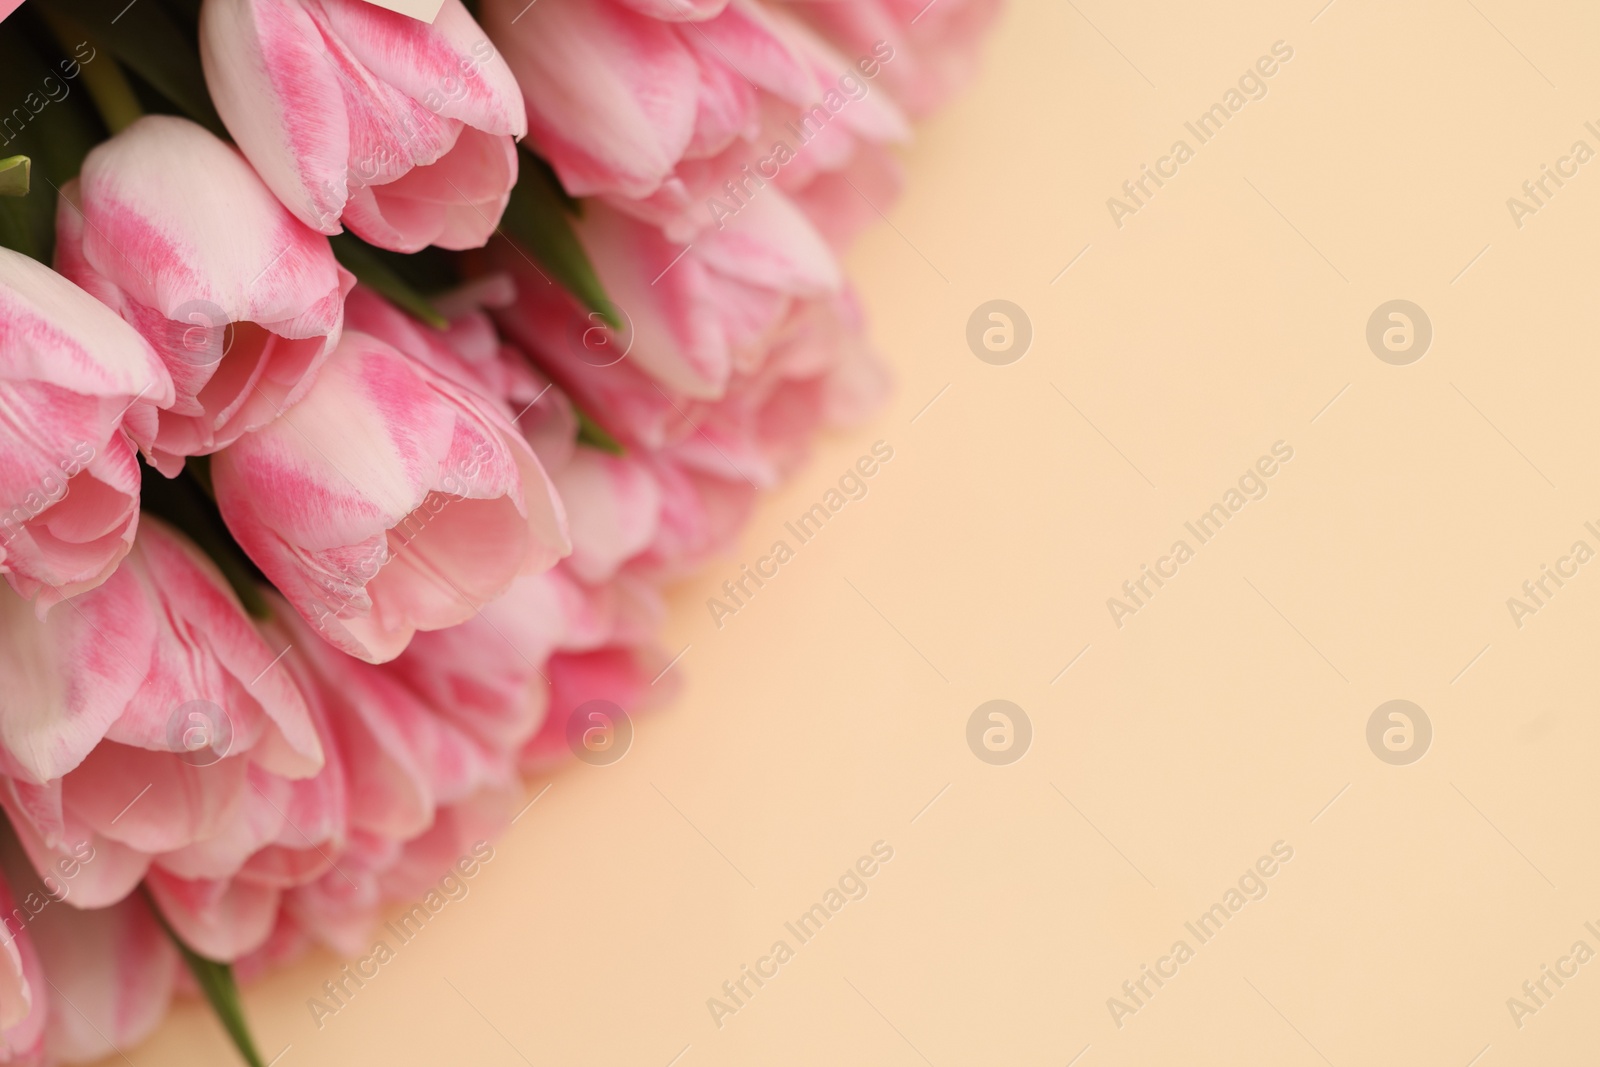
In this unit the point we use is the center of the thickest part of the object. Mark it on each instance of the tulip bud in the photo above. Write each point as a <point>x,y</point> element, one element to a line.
<point>171,228</point>
<point>401,130</point>
<point>390,500</point>
<point>73,379</point>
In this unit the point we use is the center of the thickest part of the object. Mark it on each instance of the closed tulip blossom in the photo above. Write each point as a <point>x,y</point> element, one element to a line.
<point>405,778</point>
<point>695,317</point>
<point>76,984</point>
<point>400,130</point>
<point>218,784</point>
<point>172,229</point>
<point>683,114</point>
<point>391,499</point>
<point>157,689</point>
<point>783,356</point>
<point>78,388</point>
<point>490,674</point>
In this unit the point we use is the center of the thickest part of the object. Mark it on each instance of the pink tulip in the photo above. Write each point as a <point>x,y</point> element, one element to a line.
<point>485,674</point>
<point>815,123</point>
<point>542,412</point>
<point>329,848</point>
<point>702,515</point>
<point>593,598</point>
<point>71,378</point>
<point>613,505</point>
<point>402,757</point>
<point>390,500</point>
<point>808,366</point>
<point>402,130</point>
<point>99,980</point>
<point>173,230</point>
<point>404,771</point>
<point>610,92</point>
<point>468,354</point>
<point>819,371</point>
<point>653,512</point>
<point>681,122</point>
<point>935,44</point>
<point>147,727</point>
<point>342,909</point>
<point>695,316</point>
<point>488,673</point>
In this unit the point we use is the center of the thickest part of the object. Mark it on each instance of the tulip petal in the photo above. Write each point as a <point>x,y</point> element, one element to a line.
<point>54,838</point>
<point>618,675</point>
<point>177,219</point>
<point>70,379</point>
<point>661,288</point>
<point>51,331</point>
<point>25,1002</point>
<point>50,719</point>
<point>771,243</point>
<point>111,976</point>
<point>758,44</point>
<point>448,66</point>
<point>153,801</point>
<point>266,67</point>
<point>454,202</point>
<point>613,505</point>
<point>611,94</point>
<point>220,920</point>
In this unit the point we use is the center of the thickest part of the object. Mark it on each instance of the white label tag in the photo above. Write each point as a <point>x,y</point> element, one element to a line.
<point>421,10</point>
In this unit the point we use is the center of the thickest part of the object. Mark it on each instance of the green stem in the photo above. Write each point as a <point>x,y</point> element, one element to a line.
<point>216,981</point>
<point>112,95</point>
<point>107,86</point>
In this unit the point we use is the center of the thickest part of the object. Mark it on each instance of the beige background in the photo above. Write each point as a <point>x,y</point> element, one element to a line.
<point>1225,715</point>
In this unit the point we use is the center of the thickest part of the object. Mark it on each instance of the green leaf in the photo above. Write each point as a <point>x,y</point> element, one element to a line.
<point>536,218</point>
<point>222,992</point>
<point>547,175</point>
<point>113,97</point>
<point>594,435</point>
<point>367,264</point>
<point>14,174</point>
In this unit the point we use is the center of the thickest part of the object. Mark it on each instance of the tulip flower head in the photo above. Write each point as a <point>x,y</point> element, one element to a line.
<point>400,130</point>
<point>171,228</point>
<point>78,387</point>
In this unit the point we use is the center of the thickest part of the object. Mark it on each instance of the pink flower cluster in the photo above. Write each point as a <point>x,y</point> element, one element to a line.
<point>451,567</point>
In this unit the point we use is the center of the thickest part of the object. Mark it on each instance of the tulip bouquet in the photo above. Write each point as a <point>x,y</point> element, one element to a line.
<point>363,381</point>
